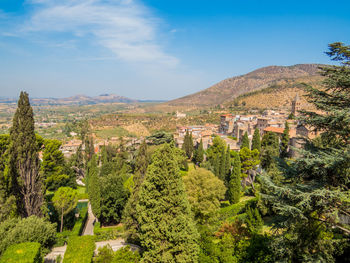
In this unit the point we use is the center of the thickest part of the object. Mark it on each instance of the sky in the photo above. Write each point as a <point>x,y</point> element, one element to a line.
<point>157,49</point>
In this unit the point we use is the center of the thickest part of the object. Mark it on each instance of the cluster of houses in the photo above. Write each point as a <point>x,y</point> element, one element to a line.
<point>233,127</point>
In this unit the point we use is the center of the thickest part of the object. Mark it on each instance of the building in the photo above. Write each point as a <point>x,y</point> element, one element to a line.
<point>296,105</point>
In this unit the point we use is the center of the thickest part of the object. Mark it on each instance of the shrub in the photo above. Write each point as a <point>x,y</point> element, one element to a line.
<point>28,252</point>
<point>125,255</point>
<point>108,233</point>
<point>31,229</point>
<point>122,255</point>
<point>105,255</point>
<point>80,249</point>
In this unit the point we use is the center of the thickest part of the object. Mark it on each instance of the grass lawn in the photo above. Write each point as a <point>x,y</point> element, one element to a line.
<point>81,192</point>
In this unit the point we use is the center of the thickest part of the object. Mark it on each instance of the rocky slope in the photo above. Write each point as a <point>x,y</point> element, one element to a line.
<point>229,89</point>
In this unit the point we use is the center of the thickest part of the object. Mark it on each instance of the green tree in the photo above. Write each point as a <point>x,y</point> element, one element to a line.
<point>64,200</point>
<point>198,156</point>
<point>227,163</point>
<point>249,159</point>
<point>160,137</point>
<point>94,189</point>
<point>25,182</point>
<point>53,165</point>
<point>215,150</point>
<point>204,192</point>
<point>125,255</point>
<point>234,186</point>
<point>167,230</point>
<point>130,214</point>
<point>269,150</point>
<point>316,192</point>
<point>256,142</point>
<point>285,142</point>
<point>114,196</point>
<point>222,167</point>
<point>187,146</point>
<point>245,141</point>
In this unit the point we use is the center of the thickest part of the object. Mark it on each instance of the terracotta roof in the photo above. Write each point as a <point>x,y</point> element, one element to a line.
<point>274,129</point>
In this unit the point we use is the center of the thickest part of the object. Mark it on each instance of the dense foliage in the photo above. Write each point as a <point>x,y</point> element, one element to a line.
<point>314,195</point>
<point>80,250</point>
<point>31,229</point>
<point>167,231</point>
<point>28,252</point>
<point>204,192</point>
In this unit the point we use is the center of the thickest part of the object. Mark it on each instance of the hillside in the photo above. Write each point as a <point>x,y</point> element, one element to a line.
<point>227,90</point>
<point>278,95</point>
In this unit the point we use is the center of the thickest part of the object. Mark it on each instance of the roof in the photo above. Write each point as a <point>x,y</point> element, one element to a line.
<point>274,129</point>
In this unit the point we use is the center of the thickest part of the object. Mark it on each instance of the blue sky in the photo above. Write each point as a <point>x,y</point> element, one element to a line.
<point>156,49</point>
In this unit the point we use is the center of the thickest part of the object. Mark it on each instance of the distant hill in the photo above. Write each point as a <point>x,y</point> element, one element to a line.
<point>75,100</point>
<point>226,91</point>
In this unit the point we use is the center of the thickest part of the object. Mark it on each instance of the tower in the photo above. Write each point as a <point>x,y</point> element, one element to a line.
<point>296,106</point>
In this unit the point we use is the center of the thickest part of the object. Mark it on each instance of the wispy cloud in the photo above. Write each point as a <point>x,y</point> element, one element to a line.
<point>125,27</point>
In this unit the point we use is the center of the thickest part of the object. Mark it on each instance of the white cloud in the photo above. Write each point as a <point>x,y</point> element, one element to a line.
<point>125,27</point>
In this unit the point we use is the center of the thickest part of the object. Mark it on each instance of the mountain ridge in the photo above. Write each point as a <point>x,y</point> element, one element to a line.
<point>230,88</point>
<point>79,99</point>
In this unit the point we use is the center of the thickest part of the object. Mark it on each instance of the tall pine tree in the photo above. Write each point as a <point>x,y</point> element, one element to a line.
<point>94,188</point>
<point>130,214</point>
<point>256,142</point>
<point>234,186</point>
<point>188,145</point>
<point>198,156</point>
<point>245,141</point>
<point>167,230</point>
<point>285,142</point>
<point>316,192</point>
<point>26,182</point>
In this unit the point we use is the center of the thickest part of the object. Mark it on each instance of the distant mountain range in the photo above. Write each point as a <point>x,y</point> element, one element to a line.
<point>76,100</point>
<point>228,90</point>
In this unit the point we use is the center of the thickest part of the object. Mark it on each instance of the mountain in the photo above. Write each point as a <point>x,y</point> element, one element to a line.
<point>75,100</point>
<point>228,90</point>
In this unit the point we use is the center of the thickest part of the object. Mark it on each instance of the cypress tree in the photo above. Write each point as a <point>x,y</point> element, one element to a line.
<point>234,186</point>
<point>285,142</point>
<point>188,145</point>
<point>130,215</point>
<point>245,141</point>
<point>198,156</point>
<point>222,171</point>
<point>26,182</point>
<point>94,189</point>
<point>256,142</point>
<point>217,165</point>
<point>167,230</point>
<point>227,163</point>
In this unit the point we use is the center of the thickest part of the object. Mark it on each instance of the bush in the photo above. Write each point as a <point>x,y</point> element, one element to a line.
<point>125,255</point>
<point>122,255</point>
<point>28,252</point>
<point>108,233</point>
<point>31,229</point>
<point>80,250</point>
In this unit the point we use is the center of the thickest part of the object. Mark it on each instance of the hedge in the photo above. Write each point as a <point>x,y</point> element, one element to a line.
<point>108,233</point>
<point>80,249</point>
<point>28,252</point>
